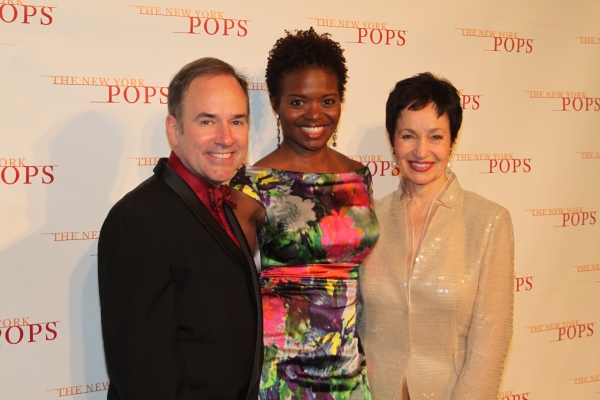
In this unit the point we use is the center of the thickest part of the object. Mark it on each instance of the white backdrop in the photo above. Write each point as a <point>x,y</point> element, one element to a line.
<point>83,106</point>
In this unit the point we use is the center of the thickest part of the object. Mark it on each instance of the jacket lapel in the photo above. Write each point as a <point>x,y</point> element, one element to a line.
<point>243,258</point>
<point>178,185</point>
<point>253,277</point>
<point>251,273</point>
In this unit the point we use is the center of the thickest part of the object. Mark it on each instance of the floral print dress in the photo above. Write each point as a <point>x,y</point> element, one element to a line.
<point>317,229</point>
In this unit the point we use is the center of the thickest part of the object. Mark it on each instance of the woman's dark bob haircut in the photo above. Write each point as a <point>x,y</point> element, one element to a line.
<point>415,93</point>
<point>304,49</point>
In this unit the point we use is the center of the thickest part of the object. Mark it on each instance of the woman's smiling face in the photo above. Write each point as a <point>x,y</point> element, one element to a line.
<point>309,108</point>
<point>422,145</point>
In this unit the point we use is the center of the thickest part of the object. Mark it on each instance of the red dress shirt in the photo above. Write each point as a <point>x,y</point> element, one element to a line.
<point>200,186</point>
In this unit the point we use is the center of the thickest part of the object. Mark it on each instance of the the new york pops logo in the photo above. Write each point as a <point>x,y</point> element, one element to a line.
<point>585,268</point>
<point>523,283</point>
<point>19,171</point>
<point>71,236</point>
<point>116,90</point>
<point>377,165</point>
<point>565,331</point>
<point>568,216</point>
<point>513,395</point>
<point>588,39</point>
<point>15,11</point>
<point>125,90</point>
<point>259,86</point>
<point>592,378</point>
<point>497,163</point>
<point>469,101</point>
<point>500,41</point>
<point>80,389</point>
<point>145,161</point>
<point>580,380</point>
<point>199,22</point>
<point>19,331</point>
<point>568,101</point>
<point>589,155</point>
<point>367,32</point>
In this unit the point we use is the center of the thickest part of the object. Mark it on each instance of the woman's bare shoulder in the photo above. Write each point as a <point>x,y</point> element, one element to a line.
<point>247,207</point>
<point>271,160</point>
<point>350,164</point>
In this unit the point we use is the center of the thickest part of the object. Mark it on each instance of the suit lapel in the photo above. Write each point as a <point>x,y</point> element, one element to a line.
<point>252,274</point>
<point>243,258</point>
<point>178,185</point>
<point>255,288</point>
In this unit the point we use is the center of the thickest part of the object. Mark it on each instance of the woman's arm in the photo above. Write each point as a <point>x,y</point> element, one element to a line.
<point>491,326</point>
<point>250,214</point>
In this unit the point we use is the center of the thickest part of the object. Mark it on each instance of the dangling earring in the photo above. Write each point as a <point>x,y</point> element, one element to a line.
<point>449,157</point>
<point>278,131</point>
<point>335,138</point>
<point>394,163</point>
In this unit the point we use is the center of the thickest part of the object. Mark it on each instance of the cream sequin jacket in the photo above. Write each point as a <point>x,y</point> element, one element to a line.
<point>451,338</point>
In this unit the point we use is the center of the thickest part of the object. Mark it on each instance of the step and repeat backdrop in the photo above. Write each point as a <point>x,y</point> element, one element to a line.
<point>83,104</point>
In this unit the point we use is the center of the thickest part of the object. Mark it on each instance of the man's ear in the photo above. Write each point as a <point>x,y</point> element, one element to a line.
<point>172,130</point>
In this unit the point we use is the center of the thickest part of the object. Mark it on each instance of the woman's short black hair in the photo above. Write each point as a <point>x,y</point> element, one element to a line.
<point>417,92</point>
<point>304,49</point>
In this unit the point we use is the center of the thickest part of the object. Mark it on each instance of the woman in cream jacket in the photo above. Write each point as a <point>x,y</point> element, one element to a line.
<point>437,290</point>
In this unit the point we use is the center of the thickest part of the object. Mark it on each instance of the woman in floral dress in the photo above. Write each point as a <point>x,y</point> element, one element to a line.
<point>310,208</point>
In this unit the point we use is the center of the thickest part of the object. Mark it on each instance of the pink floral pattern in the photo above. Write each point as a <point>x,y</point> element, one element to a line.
<point>318,228</point>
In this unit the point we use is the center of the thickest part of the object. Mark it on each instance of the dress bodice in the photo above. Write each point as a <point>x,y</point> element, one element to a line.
<point>317,229</point>
<point>312,218</point>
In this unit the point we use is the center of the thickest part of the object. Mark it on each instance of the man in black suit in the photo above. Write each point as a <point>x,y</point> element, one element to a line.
<point>179,293</point>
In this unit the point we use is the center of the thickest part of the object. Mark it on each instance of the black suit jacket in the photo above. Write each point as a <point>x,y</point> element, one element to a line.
<point>180,302</point>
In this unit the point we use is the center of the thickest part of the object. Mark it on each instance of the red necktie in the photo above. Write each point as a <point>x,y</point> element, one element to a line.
<point>220,195</point>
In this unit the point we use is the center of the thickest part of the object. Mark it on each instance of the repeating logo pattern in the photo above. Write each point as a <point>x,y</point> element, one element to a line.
<point>18,171</point>
<point>14,11</point>
<point>19,331</point>
<point>200,22</point>
<point>569,101</point>
<point>500,41</point>
<point>367,32</point>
